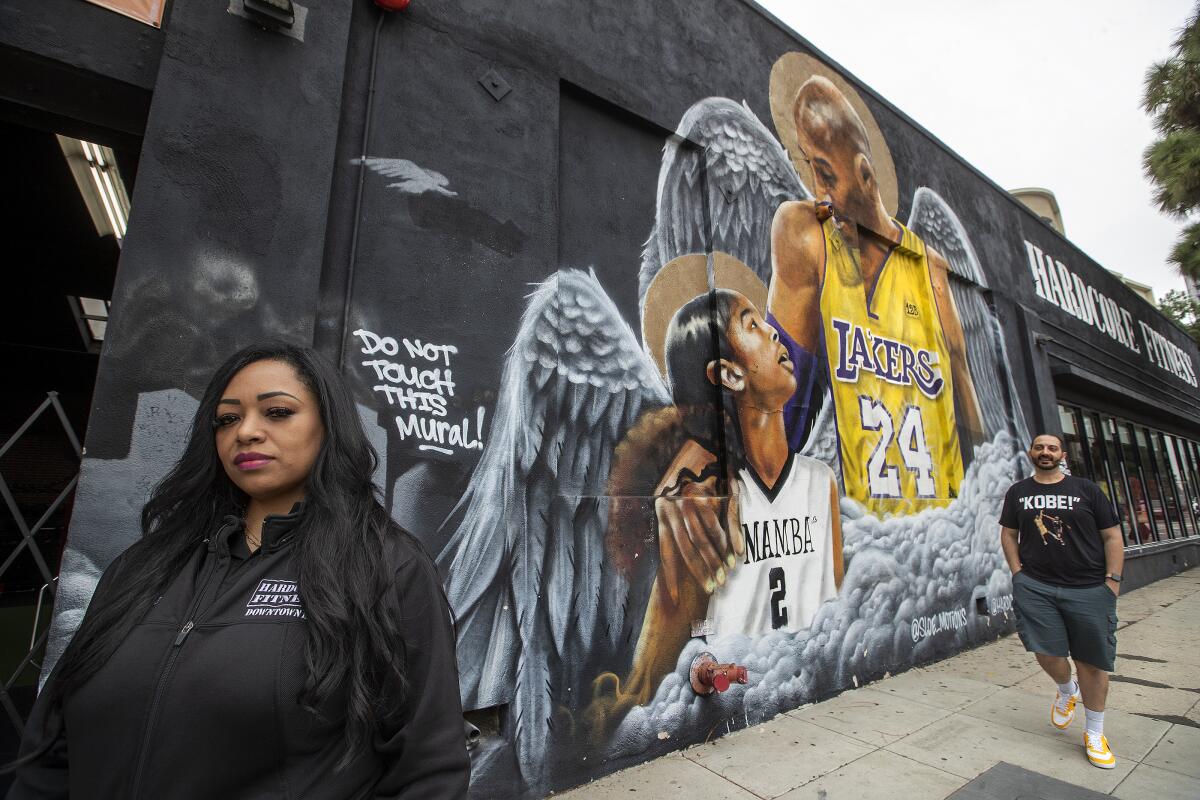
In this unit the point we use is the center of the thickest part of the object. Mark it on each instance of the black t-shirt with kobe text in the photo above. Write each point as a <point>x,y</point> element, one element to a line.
<point>1059,528</point>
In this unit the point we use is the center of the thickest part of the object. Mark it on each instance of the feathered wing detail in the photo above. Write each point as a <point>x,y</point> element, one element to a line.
<point>939,227</point>
<point>723,175</point>
<point>823,444</point>
<point>524,569</point>
<point>413,178</point>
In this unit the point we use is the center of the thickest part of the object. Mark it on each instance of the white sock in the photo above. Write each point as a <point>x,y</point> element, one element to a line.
<point>1095,720</point>
<point>1067,689</point>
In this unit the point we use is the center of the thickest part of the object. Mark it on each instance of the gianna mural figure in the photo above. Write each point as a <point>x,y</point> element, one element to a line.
<point>783,513</point>
<point>786,505</point>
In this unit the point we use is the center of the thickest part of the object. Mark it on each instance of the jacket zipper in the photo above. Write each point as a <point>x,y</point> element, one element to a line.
<point>210,570</point>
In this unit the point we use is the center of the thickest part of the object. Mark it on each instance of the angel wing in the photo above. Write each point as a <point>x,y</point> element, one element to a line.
<point>723,175</point>
<point>414,179</point>
<point>936,223</point>
<point>524,569</point>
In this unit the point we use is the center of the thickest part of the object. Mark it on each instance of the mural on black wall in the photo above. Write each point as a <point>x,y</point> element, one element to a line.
<point>792,459</point>
<point>795,464</point>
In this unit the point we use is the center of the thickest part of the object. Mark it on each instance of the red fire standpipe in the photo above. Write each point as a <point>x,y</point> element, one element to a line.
<point>709,676</point>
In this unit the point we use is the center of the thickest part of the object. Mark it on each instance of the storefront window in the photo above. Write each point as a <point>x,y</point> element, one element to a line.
<point>1167,482</point>
<point>1094,452</point>
<point>1076,463</point>
<point>1187,463</point>
<point>1166,520</point>
<point>1151,477</point>
<point>1138,498</point>
<point>1183,497</point>
<point>1125,504</point>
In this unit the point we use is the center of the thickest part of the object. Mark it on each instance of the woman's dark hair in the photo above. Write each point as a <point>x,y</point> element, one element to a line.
<point>702,411</point>
<point>699,334</point>
<point>353,639</point>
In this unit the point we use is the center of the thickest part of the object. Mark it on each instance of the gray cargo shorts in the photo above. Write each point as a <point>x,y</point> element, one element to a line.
<point>1067,620</point>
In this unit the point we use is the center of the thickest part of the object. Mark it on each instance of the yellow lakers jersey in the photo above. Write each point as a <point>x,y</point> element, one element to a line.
<point>889,370</point>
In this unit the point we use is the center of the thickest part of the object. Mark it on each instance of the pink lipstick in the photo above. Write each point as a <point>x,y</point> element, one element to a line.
<point>249,461</point>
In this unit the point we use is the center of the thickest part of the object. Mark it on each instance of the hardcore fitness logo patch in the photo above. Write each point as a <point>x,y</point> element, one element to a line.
<point>274,598</point>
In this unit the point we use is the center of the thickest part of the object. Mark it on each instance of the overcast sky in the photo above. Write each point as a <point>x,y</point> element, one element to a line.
<point>1032,93</point>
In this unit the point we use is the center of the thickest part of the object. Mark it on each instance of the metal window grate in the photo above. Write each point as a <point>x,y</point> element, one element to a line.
<point>91,316</point>
<point>47,568</point>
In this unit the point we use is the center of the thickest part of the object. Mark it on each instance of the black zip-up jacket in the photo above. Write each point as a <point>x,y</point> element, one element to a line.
<point>201,699</point>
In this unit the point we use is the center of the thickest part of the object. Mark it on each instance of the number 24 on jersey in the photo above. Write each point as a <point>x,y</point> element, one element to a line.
<point>883,478</point>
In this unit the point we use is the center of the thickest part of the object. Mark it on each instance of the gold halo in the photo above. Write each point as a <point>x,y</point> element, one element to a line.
<point>787,76</point>
<point>682,279</point>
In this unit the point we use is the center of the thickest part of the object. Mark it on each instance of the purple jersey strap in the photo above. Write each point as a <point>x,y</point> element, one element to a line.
<point>797,414</point>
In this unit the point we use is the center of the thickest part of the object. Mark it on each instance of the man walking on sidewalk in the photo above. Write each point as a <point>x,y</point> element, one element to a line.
<point>1061,538</point>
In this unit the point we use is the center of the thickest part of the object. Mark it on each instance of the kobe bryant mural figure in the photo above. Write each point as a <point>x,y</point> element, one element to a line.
<point>890,330</point>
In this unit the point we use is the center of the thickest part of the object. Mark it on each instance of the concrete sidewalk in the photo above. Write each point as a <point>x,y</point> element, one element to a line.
<point>934,732</point>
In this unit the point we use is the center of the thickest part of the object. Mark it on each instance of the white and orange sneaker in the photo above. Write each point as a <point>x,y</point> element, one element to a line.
<point>1062,710</point>
<point>1098,753</point>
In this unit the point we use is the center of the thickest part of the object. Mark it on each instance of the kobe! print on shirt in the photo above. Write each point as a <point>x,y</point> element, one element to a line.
<point>275,598</point>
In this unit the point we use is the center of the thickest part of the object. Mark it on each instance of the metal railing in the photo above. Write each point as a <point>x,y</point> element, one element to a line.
<point>28,542</point>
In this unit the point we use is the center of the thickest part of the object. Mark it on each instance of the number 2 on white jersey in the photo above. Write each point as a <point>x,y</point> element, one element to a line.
<point>883,479</point>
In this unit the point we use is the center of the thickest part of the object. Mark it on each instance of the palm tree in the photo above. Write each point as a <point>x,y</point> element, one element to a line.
<point>1172,98</point>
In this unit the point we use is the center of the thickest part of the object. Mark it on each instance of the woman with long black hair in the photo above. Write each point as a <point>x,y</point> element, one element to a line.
<point>273,634</point>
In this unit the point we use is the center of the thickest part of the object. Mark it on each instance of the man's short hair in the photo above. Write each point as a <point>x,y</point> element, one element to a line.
<point>1062,443</point>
